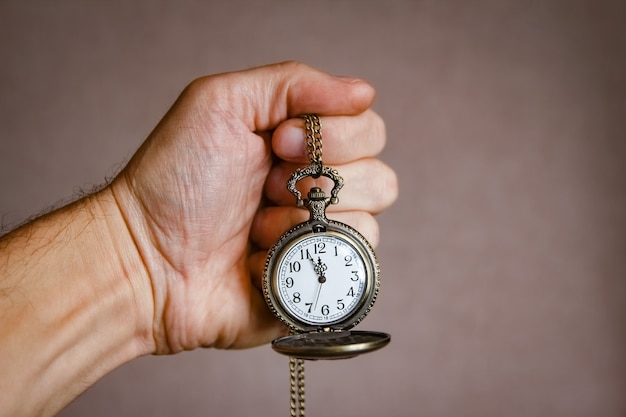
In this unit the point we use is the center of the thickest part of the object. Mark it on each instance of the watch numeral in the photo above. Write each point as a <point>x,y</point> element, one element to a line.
<point>296,297</point>
<point>356,276</point>
<point>336,253</point>
<point>320,247</point>
<point>294,266</point>
<point>348,260</point>
<point>325,309</point>
<point>350,292</point>
<point>310,306</point>
<point>289,282</point>
<point>340,304</point>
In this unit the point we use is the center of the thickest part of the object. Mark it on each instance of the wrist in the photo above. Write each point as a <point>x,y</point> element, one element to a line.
<point>119,252</point>
<point>75,303</point>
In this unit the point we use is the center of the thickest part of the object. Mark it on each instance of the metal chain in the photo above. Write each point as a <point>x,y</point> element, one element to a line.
<point>313,129</point>
<point>301,386</point>
<point>296,389</point>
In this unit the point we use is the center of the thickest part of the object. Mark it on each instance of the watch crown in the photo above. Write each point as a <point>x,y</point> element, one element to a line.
<point>316,193</point>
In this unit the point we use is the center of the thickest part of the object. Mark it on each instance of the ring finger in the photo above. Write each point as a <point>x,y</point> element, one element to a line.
<point>271,222</point>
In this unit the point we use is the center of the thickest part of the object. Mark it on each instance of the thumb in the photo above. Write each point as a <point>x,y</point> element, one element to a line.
<point>265,96</point>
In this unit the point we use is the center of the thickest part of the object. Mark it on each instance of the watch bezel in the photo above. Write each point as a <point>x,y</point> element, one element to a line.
<point>291,238</point>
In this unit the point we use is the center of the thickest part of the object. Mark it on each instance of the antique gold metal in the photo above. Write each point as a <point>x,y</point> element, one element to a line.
<point>321,278</point>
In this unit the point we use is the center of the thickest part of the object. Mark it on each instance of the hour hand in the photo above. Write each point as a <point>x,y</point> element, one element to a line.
<point>320,267</point>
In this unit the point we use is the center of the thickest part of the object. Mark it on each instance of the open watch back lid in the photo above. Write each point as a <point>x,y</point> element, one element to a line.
<point>330,344</point>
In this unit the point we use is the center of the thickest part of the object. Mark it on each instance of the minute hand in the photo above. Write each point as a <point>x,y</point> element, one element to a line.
<point>319,268</point>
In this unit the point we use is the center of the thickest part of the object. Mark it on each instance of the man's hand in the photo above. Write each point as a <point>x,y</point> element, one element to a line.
<point>192,196</point>
<point>168,257</point>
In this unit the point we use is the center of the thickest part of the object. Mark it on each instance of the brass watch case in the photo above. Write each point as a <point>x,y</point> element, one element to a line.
<point>293,237</point>
<point>332,340</point>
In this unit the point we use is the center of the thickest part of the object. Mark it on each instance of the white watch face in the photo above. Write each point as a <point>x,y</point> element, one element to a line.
<point>321,279</point>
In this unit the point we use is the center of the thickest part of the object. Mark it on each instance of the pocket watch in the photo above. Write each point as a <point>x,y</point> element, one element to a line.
<point>321,277</point>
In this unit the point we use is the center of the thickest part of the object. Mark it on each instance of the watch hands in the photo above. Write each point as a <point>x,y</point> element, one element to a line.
<point>319,268</point>
<point>317,297</point>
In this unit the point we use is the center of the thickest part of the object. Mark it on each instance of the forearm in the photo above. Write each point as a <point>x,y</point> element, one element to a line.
<point>74,304</point>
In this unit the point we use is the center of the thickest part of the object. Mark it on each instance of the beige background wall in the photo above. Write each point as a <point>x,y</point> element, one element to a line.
<point>504,259</point>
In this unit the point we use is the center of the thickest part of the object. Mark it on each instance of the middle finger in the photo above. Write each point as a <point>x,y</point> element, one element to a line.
<point>362,190</point>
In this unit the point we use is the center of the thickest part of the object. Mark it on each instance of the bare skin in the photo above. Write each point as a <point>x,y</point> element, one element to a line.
<point>168,257</point>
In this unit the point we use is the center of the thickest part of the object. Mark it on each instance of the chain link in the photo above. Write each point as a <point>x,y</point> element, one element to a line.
<point>296,389</point>
<point>313,129</point>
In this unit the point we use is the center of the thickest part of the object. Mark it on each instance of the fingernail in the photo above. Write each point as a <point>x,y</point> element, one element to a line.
<point>349,80</point>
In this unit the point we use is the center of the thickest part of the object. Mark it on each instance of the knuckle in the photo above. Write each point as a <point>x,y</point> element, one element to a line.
<point>380,131</point>
<point>385,187</point>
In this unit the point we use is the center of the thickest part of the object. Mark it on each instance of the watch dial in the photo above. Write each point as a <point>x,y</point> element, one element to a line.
<point>321,279</point>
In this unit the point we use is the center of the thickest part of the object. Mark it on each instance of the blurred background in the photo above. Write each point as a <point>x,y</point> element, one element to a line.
<point>504,259</point>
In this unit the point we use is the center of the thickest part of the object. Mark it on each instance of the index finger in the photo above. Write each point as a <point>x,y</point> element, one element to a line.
<point>344,138</point>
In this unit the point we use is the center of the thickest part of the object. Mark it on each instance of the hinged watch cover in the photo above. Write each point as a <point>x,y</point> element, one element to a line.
<point>330,344</point>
